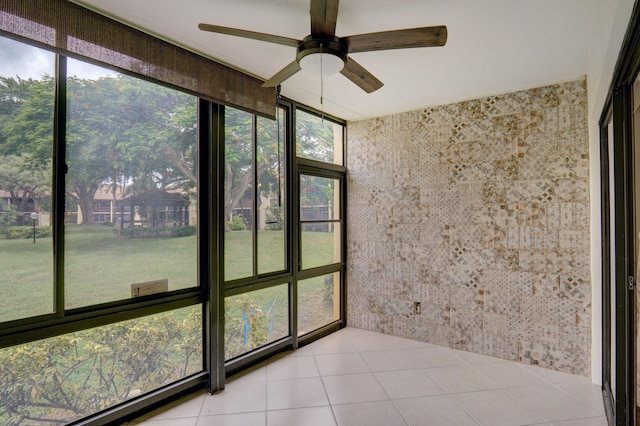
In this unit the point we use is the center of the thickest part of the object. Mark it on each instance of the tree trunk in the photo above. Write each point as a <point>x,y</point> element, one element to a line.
<point>233,194</point>
<point>86,207</point>
<point>84,193</point>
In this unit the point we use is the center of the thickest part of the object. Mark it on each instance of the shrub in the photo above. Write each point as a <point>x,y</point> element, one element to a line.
<point>249,314</point>
<point>327,289</point>
<point>63,378</point>
<point>237,223</point>
<point>8,218</point>
<point>184,231</point>
<point>24,232</point>
<point>143,232</point>
<point>275,219</point>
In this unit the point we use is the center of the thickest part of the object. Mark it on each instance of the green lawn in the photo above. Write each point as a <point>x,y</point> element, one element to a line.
<point>100,266</point>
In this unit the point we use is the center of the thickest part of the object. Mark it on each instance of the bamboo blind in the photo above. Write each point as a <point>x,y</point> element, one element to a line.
<point>74,31</point>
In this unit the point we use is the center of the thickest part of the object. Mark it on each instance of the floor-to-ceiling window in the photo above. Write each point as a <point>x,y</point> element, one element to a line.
<point>321,186</point>
<point>283,259</point>
<point>98,309</point>
<point>130,210</point>
<point>256,263</point>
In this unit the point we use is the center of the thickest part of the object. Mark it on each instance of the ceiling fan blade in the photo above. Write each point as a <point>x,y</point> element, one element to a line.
<point>398,39</point>
<point>283,74</point>
<point>324,15</point>
<point>286,41</point>
<point>360,76</point>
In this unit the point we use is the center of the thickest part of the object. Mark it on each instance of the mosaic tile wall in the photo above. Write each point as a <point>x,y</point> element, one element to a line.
<point>478,210</point>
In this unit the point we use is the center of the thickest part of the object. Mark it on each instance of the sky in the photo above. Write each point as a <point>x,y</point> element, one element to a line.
<point>19,59</point>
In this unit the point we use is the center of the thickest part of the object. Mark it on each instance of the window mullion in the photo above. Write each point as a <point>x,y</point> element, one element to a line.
<point>254,191</point>
<point>58,182</point>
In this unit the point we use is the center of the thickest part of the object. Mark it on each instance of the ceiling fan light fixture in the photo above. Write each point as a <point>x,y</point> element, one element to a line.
<point>322,63</point>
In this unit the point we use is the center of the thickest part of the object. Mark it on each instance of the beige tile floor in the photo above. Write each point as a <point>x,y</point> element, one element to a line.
<point>356,377</point>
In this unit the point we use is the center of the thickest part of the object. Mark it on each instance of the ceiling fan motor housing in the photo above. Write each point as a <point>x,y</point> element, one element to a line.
<point>329,46</point>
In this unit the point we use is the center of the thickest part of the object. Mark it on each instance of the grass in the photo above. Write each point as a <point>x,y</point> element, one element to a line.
<point>100,266</point>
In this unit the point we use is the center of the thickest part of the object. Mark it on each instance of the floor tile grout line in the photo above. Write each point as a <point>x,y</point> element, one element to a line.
<point>390,399</point>
<point>326,393</point>
<point>371,343</point>
<point>207,393</point>
<point>266,393</point>
<point>557,386</point>
<point>446,392</point>
<point>562,420</point>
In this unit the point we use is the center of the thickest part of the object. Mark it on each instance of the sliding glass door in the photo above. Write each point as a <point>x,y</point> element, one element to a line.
<point>619,273</point>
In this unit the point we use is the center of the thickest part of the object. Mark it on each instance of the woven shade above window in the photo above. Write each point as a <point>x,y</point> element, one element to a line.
<point>78,32</point>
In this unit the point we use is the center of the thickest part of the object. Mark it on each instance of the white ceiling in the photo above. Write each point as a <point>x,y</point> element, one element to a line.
<point>494,46</point>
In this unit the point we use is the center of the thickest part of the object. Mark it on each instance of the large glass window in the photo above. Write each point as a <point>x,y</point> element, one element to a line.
<point>68,377</point>
<point>320,221</point>
<point>256,318</point>
<point>238,194</point>
<point>255,230</point>
<point>131,152</point>
<point>254,219</point>
<point>321,177</point>
<point>318,302</point>
<point>318,139</point>
<point>100,205</point>
<point>27,95</point>
<point>271,198</point>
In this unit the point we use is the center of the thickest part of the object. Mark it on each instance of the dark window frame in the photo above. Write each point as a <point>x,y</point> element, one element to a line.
<point>618,110</point>
<point>62,320</point>
<point>211,289</point>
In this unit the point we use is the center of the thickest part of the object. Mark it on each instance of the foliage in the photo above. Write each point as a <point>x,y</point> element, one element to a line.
<point>26,117</point>
<point>316,191</point>
<point>24,232</point>
<point>156,232</point>
<point>275,219</point>
<point>237,223</point>
<point>120,131</point>
<point>22,181</point>
<point>314,137</point>
<point>234,326</point>
<point>327,289</point>
<point>184,231</point>
<point>9,217</point>
<point>64,378</point>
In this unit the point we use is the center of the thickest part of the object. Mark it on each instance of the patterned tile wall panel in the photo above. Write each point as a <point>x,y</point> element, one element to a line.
<point>480,211</point>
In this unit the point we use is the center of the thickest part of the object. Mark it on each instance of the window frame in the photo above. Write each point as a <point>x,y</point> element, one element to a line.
<point>236,285</point>
<point>64,321</point>
<point>330,170</point>
<point>211,288</point>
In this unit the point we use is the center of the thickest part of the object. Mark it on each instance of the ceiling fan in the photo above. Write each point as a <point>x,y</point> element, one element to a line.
<point>324,51</point>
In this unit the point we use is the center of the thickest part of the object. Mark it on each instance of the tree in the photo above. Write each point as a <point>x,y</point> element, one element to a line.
<point>26,118</point>
<point>127,131</point>
<point>120,131</point>
<point>24,184</point>
<point>123,131</point>
<point>314,137</point>
<point>64,378</point>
